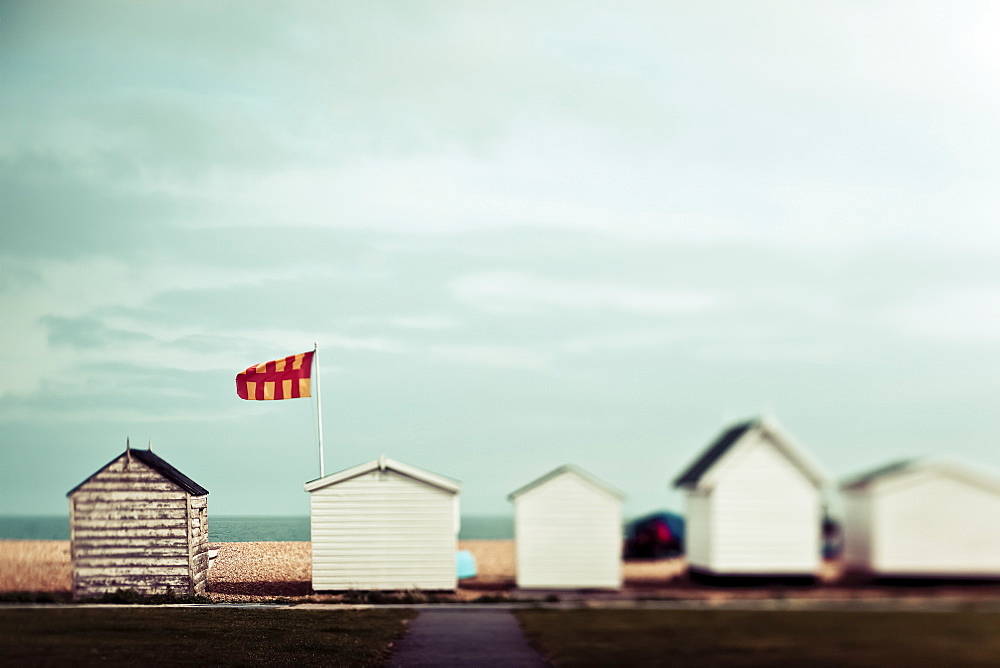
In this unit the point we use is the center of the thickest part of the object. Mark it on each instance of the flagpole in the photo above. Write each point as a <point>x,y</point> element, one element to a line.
<point>319,409</point>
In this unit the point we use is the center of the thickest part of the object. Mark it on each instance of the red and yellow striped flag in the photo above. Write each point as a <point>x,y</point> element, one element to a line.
<point>287,378</point>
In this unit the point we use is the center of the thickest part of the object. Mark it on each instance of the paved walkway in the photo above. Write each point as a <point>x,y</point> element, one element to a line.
<point>464,637</point>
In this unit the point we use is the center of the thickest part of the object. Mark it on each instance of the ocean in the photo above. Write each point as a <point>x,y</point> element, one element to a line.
<point>242,528</point>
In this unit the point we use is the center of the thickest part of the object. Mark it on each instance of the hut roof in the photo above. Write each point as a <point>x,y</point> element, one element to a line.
<point>974,473</point>
<point>728,439</point>
<point>568,468</point>
<point>718,448</point>
<point>155,462</point>
<point>864,479</point>
<point>383,463</point>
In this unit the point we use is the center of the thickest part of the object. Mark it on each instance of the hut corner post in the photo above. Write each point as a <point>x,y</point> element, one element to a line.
<point>72,546</point>
<point>189,526</point>
<point>197,528</point>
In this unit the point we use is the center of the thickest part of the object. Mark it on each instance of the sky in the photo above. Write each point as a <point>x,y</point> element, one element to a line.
<point>523,234</point>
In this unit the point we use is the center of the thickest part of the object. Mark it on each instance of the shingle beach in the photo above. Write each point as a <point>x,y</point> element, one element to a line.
<point>268,569</point>
<point>261,571</point>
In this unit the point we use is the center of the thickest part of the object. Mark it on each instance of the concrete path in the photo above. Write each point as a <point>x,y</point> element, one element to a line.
<point>463,637</point>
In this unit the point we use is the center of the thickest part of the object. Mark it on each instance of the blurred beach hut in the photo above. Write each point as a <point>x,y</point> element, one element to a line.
<point>936,517</point>
<point>138,523</point>
<point>383,525</point>
<point>753,505</point>
<point>568,532</point>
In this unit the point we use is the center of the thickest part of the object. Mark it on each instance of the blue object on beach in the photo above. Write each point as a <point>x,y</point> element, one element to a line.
<point>465,563</point>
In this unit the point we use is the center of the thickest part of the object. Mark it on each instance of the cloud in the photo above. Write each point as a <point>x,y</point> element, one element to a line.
<point>798,133</point>
<point>506,357</point>
<point>624,341</point>
<point>966,315</point>
<point>425,322</point>
<point>508,292</point>
<point>95,310</point>
<point>521,214</point>
<point>88,332</point>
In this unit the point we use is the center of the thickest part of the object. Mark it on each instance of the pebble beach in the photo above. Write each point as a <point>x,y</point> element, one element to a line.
<point>261,571</point>
<point>249,571</point>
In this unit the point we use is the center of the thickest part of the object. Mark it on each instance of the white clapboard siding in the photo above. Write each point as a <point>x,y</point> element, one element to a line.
<point>138,524</point>
<point>924,518</point>
<point>767,517</point>
<point>858,522</point>
<point>698,528</point>
<point>383,526</point>
<point>568,531</point>
<point>754,505</point>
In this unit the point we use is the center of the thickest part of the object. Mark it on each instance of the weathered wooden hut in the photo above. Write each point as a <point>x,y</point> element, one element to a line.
<point>754,505</point>
<point>933,517</point>
<point>383,525</point>
<point>138,523</point>
<point>568,531</point>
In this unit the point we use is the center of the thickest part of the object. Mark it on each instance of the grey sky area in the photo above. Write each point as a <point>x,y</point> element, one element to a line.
<point>523,234</point>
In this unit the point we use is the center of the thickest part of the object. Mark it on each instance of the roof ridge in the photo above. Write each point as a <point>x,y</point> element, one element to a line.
<point>566,468</point>
<point>158,464</point>
<point>767,425</point>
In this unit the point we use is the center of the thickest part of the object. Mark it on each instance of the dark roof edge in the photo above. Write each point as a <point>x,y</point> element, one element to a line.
<point>863,479</point>
<point>693,473</point>
<point>158,464</point>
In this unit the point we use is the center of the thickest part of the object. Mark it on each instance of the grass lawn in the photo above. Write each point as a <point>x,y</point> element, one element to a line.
<point>738,638</point>
<point>198,636</point>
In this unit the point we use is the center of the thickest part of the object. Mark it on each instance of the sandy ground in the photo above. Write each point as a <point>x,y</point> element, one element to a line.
<point>35,565</point>
<point>257,571</point>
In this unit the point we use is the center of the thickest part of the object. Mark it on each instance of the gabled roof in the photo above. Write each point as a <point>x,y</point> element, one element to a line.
<point>974,473</point>
<point>714,452</point>
<point>726,441</point>
<point>864,479</point>
<point>159,465</point>
<point>383,463</point>
<point>568,468</point>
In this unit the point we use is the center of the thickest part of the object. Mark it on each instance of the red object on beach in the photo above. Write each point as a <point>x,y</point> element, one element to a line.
<point>285,378</point>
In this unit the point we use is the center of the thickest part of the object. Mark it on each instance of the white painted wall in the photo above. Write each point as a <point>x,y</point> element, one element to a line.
<point>928,523</point>
<point>858,521</point>
<point>568,536</point>
<point>764,515</point>
<point>697,528</point>
<point>383,530</point>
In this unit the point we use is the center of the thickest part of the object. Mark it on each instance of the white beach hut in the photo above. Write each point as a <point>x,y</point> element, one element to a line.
<point>383,525</point>
<point>923,518</point>
<point>138,523</point>
<point>754,505</point>
<point>568,531</point>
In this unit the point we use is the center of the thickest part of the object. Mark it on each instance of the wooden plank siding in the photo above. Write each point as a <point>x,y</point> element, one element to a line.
<point>197,557</point>
<point>133,528</point>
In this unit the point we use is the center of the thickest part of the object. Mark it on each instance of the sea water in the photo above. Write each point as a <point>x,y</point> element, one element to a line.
<point>242,528</point>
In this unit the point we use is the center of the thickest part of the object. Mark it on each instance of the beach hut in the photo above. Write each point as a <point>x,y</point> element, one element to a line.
<point>568,531</point>
<point>934,517</point>
<point>753,505</point>
<point>383,525</point>
<point>138,523</point>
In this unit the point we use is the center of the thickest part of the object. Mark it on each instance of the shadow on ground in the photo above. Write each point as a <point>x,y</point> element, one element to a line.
<point>280,588</point>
